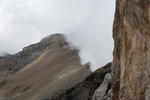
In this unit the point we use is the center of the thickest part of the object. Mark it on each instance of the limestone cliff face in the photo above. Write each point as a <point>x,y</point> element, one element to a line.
<point>131,64</point>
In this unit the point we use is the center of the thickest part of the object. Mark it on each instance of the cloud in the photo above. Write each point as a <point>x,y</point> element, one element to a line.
<point>87,24</point>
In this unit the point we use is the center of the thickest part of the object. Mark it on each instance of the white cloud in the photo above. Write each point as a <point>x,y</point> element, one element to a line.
<point>87,23</point>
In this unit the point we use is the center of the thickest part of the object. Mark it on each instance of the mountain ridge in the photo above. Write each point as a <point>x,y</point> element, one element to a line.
<point>40,70</point>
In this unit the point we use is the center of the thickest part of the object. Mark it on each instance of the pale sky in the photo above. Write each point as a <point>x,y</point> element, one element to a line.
<point>87,24</point>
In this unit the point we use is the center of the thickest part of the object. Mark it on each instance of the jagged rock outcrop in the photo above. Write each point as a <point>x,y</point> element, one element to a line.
<point>85,89</point>
<point>104,91</point>
<point>131,62</point>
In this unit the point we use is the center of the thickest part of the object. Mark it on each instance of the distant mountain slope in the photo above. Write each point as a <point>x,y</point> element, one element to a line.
<point>13,63</point>
<point>41,70</point>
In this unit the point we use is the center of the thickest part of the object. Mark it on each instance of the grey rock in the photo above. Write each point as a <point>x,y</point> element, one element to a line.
<point>147,94</point>
<point>2,98</point>
<point>101,92</point>
<point>109,94</point>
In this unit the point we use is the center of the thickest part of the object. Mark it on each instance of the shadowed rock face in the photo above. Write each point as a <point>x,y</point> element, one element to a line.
<point>104,91</point>
<point>131,63</point>
<point>86,89</point>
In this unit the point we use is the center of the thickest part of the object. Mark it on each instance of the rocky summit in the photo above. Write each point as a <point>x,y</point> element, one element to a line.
<point>40,70</point>
<point>13,63</point>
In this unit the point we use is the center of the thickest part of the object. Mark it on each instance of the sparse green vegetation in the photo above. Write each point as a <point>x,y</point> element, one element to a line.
<point>26,88</point>
<point>17,87</point>
<point>2,83</point>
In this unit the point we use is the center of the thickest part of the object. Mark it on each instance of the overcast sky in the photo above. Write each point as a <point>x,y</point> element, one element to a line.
<point>87,24</point>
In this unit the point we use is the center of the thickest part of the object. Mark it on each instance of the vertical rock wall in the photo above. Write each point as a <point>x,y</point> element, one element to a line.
<point>131,62</point>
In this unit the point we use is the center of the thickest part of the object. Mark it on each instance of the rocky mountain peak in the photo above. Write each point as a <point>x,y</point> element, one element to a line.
<point>41,70</point>
<point>13,63</point>
<point>53,38</point>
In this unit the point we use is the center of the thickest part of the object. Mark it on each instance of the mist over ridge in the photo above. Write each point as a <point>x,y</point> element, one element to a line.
<point>87,24</point>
